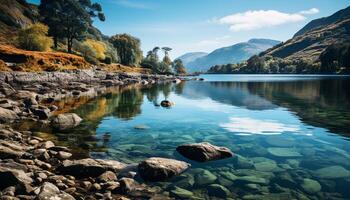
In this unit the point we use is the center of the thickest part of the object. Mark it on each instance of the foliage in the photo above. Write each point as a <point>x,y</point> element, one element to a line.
<point>268,65</point>
<point>179,67</point>
<point>87,51</point>
<point>99,48</point>
<point>69,19</point>
<point>152,61</point>
<point>35,38</point>
<point>128,49</point>
<point>335,58</point>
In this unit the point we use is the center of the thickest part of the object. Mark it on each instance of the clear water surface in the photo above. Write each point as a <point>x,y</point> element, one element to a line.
<point>290,134</point>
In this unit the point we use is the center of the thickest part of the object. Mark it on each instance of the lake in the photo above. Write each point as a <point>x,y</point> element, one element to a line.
<point>290,134</point>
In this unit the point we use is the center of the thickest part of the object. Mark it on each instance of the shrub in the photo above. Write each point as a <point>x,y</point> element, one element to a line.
<point>34,38</point>
<point>99,48</point>
<point>86,51</point>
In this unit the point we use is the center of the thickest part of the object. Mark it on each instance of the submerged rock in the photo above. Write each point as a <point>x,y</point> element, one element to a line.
<point>332,172</point>
<point>218,191</point>
<point>310,186</point>
<point>66,121</point>
<point>181,193</point>
<point>158,169</point>
<point>205,177</point>
<point>283,152</point>
<point>202,152</point>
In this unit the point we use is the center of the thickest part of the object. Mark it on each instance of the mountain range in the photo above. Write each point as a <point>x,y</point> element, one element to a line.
<point>197,61</point>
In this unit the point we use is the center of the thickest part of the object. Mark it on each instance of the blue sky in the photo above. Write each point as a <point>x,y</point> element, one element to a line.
<point>204,25</point>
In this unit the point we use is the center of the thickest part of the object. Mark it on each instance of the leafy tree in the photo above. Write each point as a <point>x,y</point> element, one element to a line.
<point>128,48</point>
<point>35,38</point>
<point>99,47</point>
<point>179,67</point>
<point>69,19</point>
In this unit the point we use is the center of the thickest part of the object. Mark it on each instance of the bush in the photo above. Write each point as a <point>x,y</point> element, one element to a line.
<point>99,48</point>
<point>34,38</point>
<point>86,51</point>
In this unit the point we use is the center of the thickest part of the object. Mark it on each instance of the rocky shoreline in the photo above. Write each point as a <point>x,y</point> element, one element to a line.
<point>32,168</point>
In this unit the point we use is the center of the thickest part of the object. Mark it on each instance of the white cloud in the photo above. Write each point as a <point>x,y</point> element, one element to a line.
<point>311,11</point>
<point>254,126</point>
<point>257,19</point>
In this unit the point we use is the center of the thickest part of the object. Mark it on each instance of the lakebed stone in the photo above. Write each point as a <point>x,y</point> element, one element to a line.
<point>283,152</point>
<point>332,172</point>
<point>202,152</point>
<point>158,169</point>
<point>310,186</point>
<point>66,121</point>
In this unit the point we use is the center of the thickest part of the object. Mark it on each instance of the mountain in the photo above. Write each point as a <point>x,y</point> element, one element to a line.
<point>14,15</point>
<point>190,57</point>
<point>314,24</point>
<point>315,37</point>
<point>232,54</point>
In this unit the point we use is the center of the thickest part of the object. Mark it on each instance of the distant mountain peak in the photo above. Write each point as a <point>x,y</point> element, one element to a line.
<point>231,54</point>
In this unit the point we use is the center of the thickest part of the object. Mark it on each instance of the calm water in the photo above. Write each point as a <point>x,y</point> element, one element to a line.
<point>289,134</point>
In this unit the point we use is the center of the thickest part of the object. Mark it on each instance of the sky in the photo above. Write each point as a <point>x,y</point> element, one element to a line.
<point>205,25</point>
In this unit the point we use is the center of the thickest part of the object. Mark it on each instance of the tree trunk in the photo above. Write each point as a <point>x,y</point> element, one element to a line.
<point>69,45</point>
<point>55,40</point>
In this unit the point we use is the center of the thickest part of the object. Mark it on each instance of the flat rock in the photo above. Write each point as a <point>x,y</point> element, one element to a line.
<point>202,152</point>
<point>283,152</point>
<point>66,121</point>
<point>310,186</point>
<point>332,172</point>
<point>218,191</point>
<point>13,177</point>
<point>158,169</point>
<point>181,193</point>
<point>205,177</point>
<point>7,115</point>
<point>50,191</point>
<point>89,167</point>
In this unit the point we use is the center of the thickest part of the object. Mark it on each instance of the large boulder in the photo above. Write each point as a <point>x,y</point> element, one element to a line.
<point>50,191</point>
<point>13,177</point>
<point>89,167</point>
<point>158,169</point>
<point>66,121</point>
<point>7,115</point>
<point>202,152</point>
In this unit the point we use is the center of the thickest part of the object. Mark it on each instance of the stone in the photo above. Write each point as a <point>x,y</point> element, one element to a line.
<point>13,177</point>
<point>50,191</point>
<point>204,177</point>
<point>107,176</point>
<point>66,121</point>
<point>266,166</point>
<point>202,152</point>
<point>283,152</point>
<point>252,179</point>
<point>96,186</point>
<point>158,169</point>
<point>141,127</point>
<point>89,167</point>
<point>42,113</point>
<point>9,153</point>
<point>166,103</point>
<point>279,141</point>
<point>332,172</point>
<point>310,186</point>
<point>243,163</point>
<point>127,185</point>
<point>7,115</point>
<point>181,193</point>
<point>228,175</point>
<point>46,145</point>
<point>63,155</point>
<point>218,191</point>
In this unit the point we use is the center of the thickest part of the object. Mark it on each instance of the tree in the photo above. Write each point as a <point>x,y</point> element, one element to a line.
<point>179,67</point>
<point>128,48</point>
<point>69,19</point>
<point>35,38</point>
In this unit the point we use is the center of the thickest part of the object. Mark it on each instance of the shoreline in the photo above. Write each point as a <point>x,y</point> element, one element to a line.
<point>37,169</point>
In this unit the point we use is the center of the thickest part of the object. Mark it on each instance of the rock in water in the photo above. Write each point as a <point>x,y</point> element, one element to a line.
<point>332,172</point>
<point>7,115</point>
<point>166,103</point>
<point>202,152</point>
<point>218,191</point>
<point>158,169</point>
<point>310,186</point>
<point>66,121</point>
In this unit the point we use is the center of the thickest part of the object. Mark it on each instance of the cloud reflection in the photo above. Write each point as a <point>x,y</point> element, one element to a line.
<point>247,126</point>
